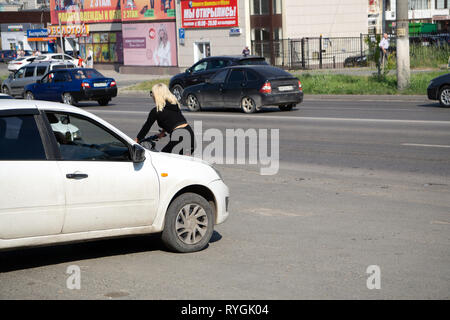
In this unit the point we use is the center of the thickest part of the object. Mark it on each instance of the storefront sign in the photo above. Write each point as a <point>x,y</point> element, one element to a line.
<point>149,44</point>
<point>209,14</point>
<point>38,35</point>
<point>181,35</point>
<point>70,31</point>
<point>15,28</point>
<point>133,10</point>
<point>85,11</point>
<point>235,31</point>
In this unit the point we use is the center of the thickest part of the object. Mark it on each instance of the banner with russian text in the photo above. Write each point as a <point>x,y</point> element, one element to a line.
<point>85,11</point>
<point>139,10</point>
<point>209,14</point>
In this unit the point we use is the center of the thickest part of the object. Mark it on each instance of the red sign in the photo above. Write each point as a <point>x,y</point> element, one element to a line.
<point>209,14</point>
<point>84,11</point>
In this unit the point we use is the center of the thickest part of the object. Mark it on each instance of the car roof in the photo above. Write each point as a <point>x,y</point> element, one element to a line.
<point>235,57</point>
<point>265,70</point>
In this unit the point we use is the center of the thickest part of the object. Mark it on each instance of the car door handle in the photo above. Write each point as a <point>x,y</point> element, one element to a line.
<point>76,176</point>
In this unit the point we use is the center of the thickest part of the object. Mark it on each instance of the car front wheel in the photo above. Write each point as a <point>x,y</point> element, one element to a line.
<point>177,91</point>
<point>444,96</point>
<point>189,224</point>
<point>68,99</point>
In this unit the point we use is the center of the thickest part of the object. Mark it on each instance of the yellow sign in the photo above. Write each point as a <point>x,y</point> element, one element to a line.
<point>80,30</point>
<point>401,32</point>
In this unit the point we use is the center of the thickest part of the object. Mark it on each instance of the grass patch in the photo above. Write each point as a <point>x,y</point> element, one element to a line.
<point>147,85</point>
<point>373,85</point>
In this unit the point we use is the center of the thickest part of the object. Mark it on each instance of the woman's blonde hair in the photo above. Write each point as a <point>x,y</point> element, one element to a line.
<point>161,94</point>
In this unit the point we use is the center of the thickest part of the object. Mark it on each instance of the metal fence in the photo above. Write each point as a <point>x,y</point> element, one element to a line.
<point>337,52</point>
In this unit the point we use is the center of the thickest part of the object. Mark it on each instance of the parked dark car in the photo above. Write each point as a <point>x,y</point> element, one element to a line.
<point>7,55</point>
<point>205,68</point>
<point>439,89</point>
<point>247,87</point>
<point>73,85</point>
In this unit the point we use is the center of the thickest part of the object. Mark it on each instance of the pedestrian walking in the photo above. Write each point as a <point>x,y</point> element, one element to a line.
<point>246,51</point>
<point>384,46</point>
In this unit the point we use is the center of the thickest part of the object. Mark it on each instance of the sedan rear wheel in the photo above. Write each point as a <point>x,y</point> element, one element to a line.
<point>68,99</point>
<point>103,102</point>
<point>189,223</point>
<point>29,95</point>
<point>248,105</point>
<point>192,103</point>
<point>444,96</point>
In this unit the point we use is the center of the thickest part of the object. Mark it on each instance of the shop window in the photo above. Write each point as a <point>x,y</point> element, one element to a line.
<point>106,47</point>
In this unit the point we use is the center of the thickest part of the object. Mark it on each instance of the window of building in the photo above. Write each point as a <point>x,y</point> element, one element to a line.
<point>276,6</point>
<point>419,4</point>
<point>106,46</point>
<point>441,4</point>
<point>260,7</point>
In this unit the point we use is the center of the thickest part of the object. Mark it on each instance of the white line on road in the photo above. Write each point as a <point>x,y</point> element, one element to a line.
<point>288,118</point>
<point>425,145</point>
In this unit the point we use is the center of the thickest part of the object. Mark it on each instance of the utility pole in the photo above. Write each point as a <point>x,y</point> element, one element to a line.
<point>383,17</point>
<point>403,63</point>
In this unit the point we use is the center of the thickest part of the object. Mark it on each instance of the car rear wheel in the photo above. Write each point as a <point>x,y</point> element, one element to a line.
<point>189,223</point>
<point>68,99</point>
<point>444,96</point>
<point>177,91</point>
<point>286,107</point>
<point>248,105</point>
<point>29,95</point>
<point>192,103</point>
<point>103,102</point>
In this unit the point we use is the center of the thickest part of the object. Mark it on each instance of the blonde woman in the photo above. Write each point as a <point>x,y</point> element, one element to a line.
<point>168,115</point>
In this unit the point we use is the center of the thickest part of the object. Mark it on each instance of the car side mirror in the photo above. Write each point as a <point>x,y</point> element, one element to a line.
<point>189,70</point>
<point>138,153</point>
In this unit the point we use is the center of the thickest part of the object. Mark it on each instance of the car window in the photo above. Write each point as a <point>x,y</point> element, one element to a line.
<point>57,57</point>
<point>251,76</point>
<point>20,139</point>
<point>19,74</point>
<point>29,72</point>
<point>82,139</point>
<point>67,57</point>
<point>219,77</point>
<point>236,76</point>
<point>200,67</point>
<point>48,78</point>
<point>217,64</point>
<point>59,77</point>
<point>40,70</point>
<point>254,61</point>
<point>41,58</point>
<point>87,74</point>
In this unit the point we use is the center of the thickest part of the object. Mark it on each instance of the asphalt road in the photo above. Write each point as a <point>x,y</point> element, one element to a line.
<point>362,181</point>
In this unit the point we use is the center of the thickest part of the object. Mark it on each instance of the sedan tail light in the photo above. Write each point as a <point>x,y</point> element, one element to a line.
<point>266,88</point>
<point>17,62</point>
<point>112,84</point>
<point>300,86</point>
<point>85,85</point>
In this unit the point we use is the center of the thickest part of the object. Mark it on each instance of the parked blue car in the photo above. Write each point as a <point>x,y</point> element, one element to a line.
<point>73,85</point>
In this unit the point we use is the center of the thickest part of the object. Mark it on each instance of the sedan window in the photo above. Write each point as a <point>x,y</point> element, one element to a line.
<point>81,139</point>
<point>236,76</point>
<point>217,64</point>
<point>219,77</point>
<point>20,139</point>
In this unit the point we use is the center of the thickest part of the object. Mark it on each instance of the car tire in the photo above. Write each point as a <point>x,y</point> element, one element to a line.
<point>67,98</point>
<point>192,103</point>
<point>177,91</point>
<point>444,96</point>
<point>189,224</point>
<point>29,95</point>
<point>248,105</point>
<point>286,107</point>
<point>103,102</point>
<point>5,90</point>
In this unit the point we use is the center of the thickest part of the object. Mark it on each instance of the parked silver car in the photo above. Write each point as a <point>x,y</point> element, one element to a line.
<point>15,83</point>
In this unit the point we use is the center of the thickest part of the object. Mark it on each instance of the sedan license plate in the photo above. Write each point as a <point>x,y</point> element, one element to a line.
<point>100,84</point>
<point>285,88</point>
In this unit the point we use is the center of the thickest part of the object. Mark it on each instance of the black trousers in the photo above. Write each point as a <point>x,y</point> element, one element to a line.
<point>184,141</point>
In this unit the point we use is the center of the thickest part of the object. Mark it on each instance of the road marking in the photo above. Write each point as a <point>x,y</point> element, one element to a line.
<point>425,145</point>
<point>288,118</point>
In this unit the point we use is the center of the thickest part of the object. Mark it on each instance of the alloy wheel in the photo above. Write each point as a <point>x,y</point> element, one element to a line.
<point>445,96</point>
<point>248,105</point>
<point>191,223</point>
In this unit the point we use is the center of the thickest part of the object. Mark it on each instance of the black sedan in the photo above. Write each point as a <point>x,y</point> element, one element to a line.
<point>247,87</point>
<point>205,68</point>
<point>439,89</point>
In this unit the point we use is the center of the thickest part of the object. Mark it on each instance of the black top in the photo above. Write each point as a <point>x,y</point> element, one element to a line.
<point>168,119</point>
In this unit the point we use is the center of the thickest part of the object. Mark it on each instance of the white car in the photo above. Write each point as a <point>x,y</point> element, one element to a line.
<point>18,63</point>
<point>58,57</point>
<point>89,180</point>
